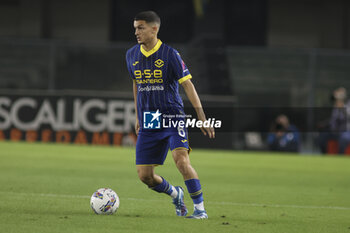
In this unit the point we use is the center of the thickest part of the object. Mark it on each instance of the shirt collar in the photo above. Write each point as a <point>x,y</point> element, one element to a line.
<point>155,49</point>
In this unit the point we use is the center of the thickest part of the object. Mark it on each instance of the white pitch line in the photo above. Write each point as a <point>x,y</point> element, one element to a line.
<point>281,206</point>
<point>208,202</point>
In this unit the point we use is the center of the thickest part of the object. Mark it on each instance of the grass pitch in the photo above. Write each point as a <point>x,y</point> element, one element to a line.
<point>46,188</point>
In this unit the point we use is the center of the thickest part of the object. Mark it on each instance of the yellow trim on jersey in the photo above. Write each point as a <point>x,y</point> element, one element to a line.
<point>155,49</point>
<point>183,79</point>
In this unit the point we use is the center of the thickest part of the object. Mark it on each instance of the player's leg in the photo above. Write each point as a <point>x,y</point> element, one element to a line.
<point>180,150</point>
<point>160,185</point>
<point>147,175</point>
<point>182,161</point>
<point>154,181</point>
<point>151,150</point>
<point>183,164</point>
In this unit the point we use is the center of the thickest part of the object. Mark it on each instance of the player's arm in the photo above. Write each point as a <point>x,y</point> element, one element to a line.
<point>137,125</point>
<point>192,95</point>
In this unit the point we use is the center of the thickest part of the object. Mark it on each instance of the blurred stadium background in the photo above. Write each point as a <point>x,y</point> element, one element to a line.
<point>262,57</point>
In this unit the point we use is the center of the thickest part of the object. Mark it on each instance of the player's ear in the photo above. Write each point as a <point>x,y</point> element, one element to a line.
<point>155,29</point>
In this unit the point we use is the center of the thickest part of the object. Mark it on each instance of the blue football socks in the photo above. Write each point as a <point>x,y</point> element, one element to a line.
<point>165,187</point>
<point>195,190</point>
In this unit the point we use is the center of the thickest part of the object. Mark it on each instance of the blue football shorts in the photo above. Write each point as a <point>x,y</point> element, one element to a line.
<point>152,146</point>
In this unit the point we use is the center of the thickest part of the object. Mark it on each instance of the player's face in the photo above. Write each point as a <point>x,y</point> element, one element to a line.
<point>144,32</point>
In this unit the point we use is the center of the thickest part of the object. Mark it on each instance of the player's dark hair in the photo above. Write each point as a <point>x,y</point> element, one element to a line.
<point>148,16</point>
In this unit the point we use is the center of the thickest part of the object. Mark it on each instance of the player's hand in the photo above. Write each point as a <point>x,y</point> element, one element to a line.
<point>137,127</point>
<point>208,131</point>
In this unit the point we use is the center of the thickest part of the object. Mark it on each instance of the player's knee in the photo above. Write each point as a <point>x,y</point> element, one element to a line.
<point>148,180</point>
<point>183,165</point>
<point>146,177</point>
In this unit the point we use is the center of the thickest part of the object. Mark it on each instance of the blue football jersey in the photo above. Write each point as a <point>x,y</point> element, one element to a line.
<point>157,74</point>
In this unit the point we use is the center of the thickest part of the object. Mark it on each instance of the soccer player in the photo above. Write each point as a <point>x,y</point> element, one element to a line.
<point>157,70</point>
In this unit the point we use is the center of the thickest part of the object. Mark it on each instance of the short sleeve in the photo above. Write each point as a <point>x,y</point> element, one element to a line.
<point>179,68</point>
<point>128,64</point>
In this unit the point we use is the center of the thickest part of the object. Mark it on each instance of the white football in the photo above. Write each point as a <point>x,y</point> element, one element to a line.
<point>104,201</point>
